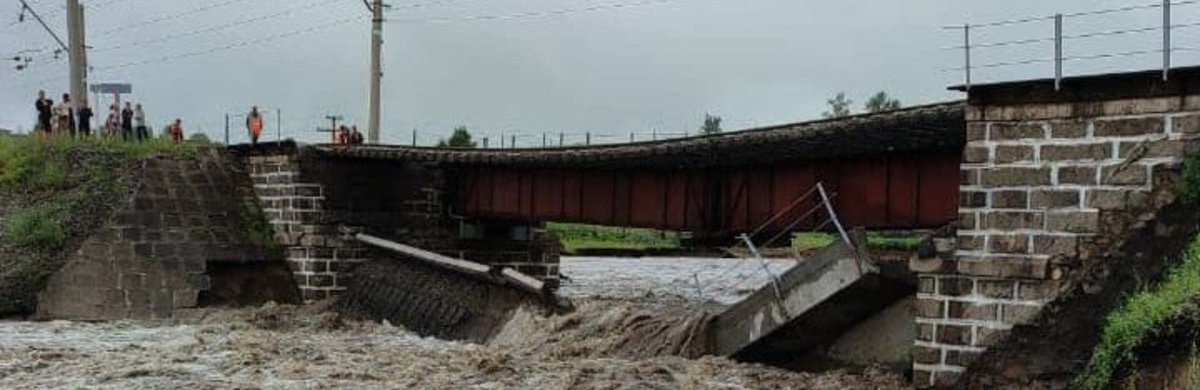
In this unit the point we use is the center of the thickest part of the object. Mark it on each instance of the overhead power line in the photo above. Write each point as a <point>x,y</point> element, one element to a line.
<point>211,50</point>
<point>25,7</point>
<point>104,4</point>
<point>1074,14</point>
<point>220,27</point>
<point>168,17</point>
<point>534,14</point>
<point>236,45</point>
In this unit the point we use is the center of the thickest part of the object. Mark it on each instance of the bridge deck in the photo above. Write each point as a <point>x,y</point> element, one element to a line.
<point>893,170</point>
<point>936,127</point>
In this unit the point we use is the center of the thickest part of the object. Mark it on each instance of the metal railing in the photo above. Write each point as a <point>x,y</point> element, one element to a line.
<point>971,48</point>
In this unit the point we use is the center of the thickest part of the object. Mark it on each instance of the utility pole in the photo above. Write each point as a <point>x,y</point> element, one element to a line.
<point>76,52</point>
<point>333,128</point>
<point>376,8</point>
<point>75,47</point>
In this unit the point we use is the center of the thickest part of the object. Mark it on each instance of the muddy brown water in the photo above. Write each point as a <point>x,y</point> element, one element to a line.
<point>310,347</point>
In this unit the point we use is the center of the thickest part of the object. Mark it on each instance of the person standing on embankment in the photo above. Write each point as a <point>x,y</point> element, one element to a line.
<point>176,131</point>
<point>254,124</point>
<point>44,108</point>
<point>84,114</point>
<point>139,123</point>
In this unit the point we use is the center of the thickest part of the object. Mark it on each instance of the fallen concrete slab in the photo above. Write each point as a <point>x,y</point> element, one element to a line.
<point>436,295</point>
<point>793,298</point>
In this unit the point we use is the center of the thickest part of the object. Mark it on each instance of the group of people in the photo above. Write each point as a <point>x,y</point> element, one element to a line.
<point>347,136</point>
<point>65,118</point>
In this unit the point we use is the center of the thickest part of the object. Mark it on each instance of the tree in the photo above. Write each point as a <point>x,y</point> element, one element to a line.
<point>199,137</point>
<point>460,139</point>
<point>881,102</point>
<point>712,125</point>
<point>839,106</point>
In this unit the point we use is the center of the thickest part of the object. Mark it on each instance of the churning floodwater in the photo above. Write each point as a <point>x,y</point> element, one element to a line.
<point>309,347</point>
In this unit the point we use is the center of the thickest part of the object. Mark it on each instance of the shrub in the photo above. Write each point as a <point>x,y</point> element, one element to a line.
<point>1189,185</point>
<point>36,228</point>
<point>1141,317</point>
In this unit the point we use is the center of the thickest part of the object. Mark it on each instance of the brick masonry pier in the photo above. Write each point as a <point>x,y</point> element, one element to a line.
<point>315,202</point>
<point>1050,181</point>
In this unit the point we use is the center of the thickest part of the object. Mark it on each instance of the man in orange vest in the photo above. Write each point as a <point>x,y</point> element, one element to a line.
<point>254,123</point>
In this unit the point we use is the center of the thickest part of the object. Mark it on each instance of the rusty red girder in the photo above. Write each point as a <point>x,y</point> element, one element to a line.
<point>885,192</point>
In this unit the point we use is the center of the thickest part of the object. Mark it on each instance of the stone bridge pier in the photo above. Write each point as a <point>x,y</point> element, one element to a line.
<point>1055,186</point>
<point>316,202</point>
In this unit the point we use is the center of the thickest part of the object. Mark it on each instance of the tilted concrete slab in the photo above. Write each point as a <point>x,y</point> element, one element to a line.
<point>801,289</point>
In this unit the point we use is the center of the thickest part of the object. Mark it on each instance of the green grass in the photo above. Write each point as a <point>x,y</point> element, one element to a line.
<point>1151,310</point>
<point>1189,185</point>
<point>875,240</point>
<point>576,237</point>
<point>54,192</point>
<point>36,228</point>
<point>1141,317</point>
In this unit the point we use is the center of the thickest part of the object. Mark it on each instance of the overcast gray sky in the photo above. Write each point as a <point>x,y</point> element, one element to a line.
<point>570,66</point>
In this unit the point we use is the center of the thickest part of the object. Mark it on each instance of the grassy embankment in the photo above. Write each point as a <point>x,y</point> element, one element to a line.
<point>1153,310</point>
<point>576,237</point>
<point>53,193</point>
<point>875,240</point>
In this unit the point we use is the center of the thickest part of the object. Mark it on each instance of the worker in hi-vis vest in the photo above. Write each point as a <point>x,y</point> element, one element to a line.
<point>254,123</point>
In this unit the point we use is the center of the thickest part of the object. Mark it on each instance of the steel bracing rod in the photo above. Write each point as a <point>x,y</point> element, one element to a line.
<point>786,210</point>
<point>37,17</point>
<point>791,226</point>
<point>833,214</point>
<point>838,223</point>
<point>767,269</point>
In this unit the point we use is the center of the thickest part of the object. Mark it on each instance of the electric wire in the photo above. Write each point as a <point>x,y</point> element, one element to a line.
<point>211,50</point>
<point>532,14</point>
<point>1071,15</point>
<point>198,31</point>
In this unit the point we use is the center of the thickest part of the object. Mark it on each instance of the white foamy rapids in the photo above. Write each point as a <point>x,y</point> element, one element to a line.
<point>723,281</point>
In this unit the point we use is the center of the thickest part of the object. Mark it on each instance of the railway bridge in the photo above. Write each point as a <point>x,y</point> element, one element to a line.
<point>1062,194</point>
<point>894,170</point>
